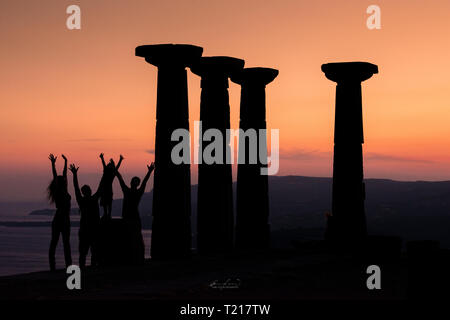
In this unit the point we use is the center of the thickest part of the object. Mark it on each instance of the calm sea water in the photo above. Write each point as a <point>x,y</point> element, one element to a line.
<point>25,249</point>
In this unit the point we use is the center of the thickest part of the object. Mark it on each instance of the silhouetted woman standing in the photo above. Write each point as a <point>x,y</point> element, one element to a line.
<point>89,220</point>
<point>130,213</point>
<point>58,194</point>
<point>106,196</point>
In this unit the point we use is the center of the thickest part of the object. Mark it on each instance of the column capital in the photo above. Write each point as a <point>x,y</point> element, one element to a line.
<point>349,71</point>
<point>217,66</point>
<point>262,76</point>
<point>167,54</point>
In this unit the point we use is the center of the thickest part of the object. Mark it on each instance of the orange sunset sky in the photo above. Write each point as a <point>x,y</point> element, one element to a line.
<point>82,92</point>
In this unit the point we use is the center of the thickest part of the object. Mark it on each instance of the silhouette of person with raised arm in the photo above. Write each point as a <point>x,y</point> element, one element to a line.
<point>58,194</point>
<point>130,212</point>
<point>89,220</point>
<point>106,195</point>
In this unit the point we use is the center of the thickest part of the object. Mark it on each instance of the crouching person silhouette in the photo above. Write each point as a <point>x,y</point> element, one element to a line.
<point>58,194</point>
<point>130,213</point>
<point>89,220</point>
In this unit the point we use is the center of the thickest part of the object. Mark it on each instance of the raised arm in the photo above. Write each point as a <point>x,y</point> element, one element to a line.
<point>103,160</point>
<point>120,162</point>
<point>122,183</point>
<point>53,161</point>
<point>65,166</point>
<point>76,185</point>
<point>147,176</point>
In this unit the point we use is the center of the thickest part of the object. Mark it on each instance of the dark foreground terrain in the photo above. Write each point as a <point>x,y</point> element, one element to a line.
<point>303,273</point>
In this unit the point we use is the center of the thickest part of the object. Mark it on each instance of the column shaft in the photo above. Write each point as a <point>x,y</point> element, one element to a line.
<point>171,226</point>
<point>252,199</point>
<point>215,188</point>
<point>252,203</point>
<point>171,229</point>
<point>215,220</point>
<point>348,221</point>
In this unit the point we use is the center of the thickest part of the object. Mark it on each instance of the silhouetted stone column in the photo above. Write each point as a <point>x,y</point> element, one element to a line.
<point>215,190</point>
<point>171,227</point>
<point>348,222</point>
<point>252,198</point>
